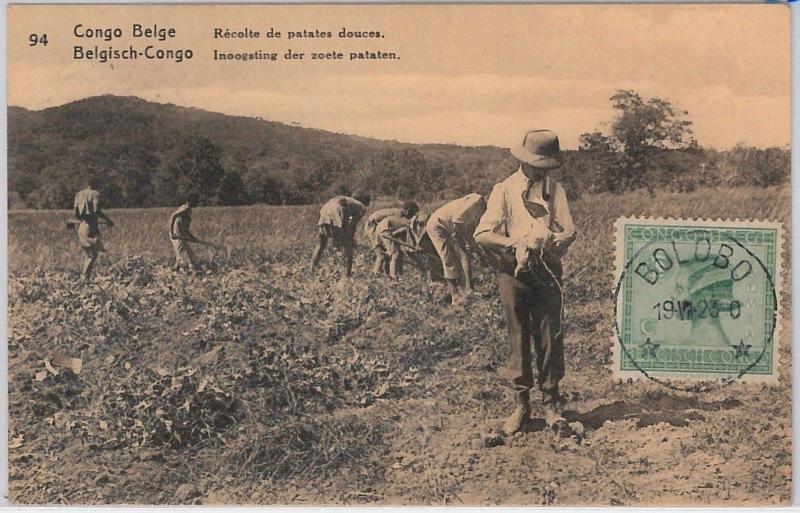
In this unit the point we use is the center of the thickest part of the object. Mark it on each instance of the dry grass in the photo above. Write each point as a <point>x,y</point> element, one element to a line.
<point>265,234</point>
<point>256,382</point>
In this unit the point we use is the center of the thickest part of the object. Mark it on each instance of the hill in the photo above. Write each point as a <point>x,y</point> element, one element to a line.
<point>131,141</point>
<point>152,154</point>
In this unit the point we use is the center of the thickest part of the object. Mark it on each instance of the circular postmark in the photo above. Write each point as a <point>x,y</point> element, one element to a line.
<point>695,304</point>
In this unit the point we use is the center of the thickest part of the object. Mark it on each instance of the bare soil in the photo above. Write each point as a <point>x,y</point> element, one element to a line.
<point>263,384</point>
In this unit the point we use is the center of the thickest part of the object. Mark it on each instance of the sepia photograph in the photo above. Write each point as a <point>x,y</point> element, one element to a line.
<point>399,255</point>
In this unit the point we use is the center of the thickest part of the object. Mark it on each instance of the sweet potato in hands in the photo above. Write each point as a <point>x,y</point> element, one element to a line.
<point>533,243</point>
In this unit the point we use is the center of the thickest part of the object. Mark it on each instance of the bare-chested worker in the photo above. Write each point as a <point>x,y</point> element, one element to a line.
<point>407,211</point>
<point>180,234</point>
<point>399,236</point>
<point>88,211</point>
<point>338,219</point>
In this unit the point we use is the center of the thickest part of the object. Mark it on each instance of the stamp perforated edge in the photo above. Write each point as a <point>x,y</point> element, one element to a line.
<point>619,266</point>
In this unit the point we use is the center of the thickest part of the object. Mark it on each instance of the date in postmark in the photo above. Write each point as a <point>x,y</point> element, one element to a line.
<point>697,301</point>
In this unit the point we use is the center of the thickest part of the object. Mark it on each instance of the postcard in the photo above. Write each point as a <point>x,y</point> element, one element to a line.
<point>407,254</point>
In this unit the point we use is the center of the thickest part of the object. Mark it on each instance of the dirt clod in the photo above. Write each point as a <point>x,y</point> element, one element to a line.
<point>185,492</point>
<point>328,390</point>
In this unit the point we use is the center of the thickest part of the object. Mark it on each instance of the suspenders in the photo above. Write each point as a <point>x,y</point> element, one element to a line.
<point>549,196</point>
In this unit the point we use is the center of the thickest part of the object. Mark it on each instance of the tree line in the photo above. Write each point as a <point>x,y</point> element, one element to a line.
<point>649,144</point>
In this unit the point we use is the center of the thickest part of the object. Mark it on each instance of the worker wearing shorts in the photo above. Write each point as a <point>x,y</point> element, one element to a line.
<point>391,236</point>
<point>88,211</point>
<point>408,210</point>
<point>338,219</point>
<point>180,234</point>
<point>450,230</point>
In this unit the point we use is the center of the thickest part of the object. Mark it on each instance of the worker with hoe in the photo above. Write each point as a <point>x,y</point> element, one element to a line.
<point>408,210</point>
<point>89,213</point>
<point>338,219</point>
<point>450,229</point>
<point>180,234</point>
<point>396,236</point>
<point>528,223</point>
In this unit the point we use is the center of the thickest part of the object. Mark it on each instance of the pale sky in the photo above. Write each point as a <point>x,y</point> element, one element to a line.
<point>469,74</point>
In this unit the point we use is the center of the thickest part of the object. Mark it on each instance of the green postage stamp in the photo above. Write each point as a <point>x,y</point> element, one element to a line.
<point>697,300</point>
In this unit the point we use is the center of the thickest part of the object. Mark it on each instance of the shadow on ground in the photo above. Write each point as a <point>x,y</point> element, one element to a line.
<point>674,410</point>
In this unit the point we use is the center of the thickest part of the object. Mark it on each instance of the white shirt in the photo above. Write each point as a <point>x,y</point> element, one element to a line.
<point>466,210</point>
<point>516,204</point>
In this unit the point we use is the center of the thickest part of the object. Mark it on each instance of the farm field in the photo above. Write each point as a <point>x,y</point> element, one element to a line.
<point>255,382</point>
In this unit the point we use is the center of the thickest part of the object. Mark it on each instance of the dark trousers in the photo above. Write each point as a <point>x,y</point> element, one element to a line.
<point>533,311</point>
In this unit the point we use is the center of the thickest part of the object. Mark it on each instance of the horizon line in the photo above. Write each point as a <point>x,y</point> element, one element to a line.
<point>784,146</point>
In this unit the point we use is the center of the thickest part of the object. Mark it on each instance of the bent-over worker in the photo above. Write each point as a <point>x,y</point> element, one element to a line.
<point>392,233</point>
<point>450,229</point>
<point>407,211</point>
<point>88,211</point>
<point>338,219</point>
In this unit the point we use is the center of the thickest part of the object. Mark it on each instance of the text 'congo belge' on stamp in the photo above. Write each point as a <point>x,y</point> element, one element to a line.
<point>697,300</point>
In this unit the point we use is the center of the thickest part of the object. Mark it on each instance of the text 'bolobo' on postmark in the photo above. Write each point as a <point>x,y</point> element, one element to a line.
<point>697,301</point>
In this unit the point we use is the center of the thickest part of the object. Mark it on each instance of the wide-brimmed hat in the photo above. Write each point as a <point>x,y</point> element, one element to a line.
<point>540,149</point>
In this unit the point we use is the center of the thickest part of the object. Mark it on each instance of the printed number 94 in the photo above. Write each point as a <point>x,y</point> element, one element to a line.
<point>36,39</point>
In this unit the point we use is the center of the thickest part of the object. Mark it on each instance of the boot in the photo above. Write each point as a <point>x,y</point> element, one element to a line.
<point>552,414</point>
<point>555,421</point>
<point>554,396</point>
<point>521,415</point>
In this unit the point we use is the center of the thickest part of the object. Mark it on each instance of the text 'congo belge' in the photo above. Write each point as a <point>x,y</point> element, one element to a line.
<point>131,52</point>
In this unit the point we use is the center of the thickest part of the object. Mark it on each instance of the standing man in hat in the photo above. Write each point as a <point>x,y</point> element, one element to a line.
<point>450,229</point>
<point>519,206</point>
<point>338,219</point>
<point>88,211</point>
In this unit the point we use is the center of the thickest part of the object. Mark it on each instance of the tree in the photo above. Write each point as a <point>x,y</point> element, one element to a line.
<point>600,161</point>
<point>198,168</point>
<point>640,132</point>
<point>57,190</point>
<point>773,167</point>
<point>333,176</point>
<point>404,173</point>
<point>642,126</point>
<point>262,186</point>
<point>128,176</point>
<point>747,165</point>
<point>231,190</point>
